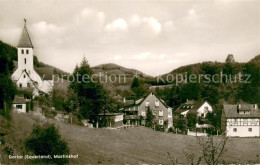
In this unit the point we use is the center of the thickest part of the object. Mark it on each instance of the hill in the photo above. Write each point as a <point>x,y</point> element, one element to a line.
<point>117,78</point>
<point>131,146</point>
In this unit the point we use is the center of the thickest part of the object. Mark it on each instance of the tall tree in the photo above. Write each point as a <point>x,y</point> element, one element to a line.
<point>92,98</point>
<point>149,118</point>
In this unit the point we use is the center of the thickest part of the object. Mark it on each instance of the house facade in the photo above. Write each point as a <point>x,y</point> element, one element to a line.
<point>26,76</point>
<point>199,107</point>
<point>19,104</point>
<point>240,120</point>
<point>137,112</point>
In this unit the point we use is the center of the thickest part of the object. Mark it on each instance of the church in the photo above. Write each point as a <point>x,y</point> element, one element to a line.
<point>27,77</point>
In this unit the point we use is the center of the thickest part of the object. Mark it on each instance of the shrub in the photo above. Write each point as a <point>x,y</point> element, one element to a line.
<point>170,129</point>
<point>46,140</point>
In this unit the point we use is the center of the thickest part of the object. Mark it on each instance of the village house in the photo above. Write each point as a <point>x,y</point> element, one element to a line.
<point>240,120</point>
<point>111,120</point>
<point>199,107</point>
<point>136,112</point>
<point>28,78</point>
<point>19,104</point>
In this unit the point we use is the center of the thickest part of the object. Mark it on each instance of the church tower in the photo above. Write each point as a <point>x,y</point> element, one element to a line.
<point>25,51</point>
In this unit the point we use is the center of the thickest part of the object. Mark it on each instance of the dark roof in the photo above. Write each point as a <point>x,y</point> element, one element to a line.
<point>190,105</point>
<point>26,89</point>
<point>231,111</point>
<point>19,100</point>
<point>45,72</point>
<point>110,114</point>
<point>25,40</point>
<point>155,96</point>
<point>129,102</point>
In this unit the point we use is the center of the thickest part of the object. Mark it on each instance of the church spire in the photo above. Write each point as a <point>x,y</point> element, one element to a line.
<point>25,41</point>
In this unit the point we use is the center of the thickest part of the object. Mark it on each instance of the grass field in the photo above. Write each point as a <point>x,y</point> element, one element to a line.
<point>135,145</point>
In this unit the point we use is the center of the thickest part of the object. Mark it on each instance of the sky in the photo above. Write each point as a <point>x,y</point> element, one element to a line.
<point>152,36</point>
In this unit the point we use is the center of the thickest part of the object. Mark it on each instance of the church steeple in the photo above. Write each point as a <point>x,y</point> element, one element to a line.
<point>25,41</point>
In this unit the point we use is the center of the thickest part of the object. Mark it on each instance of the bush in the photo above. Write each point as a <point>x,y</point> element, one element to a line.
<point>170,130</point>
<point>46,140</point>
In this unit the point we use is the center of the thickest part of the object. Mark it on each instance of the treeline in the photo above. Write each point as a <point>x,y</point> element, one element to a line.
<point>7,87</point>
<point>247,90</point>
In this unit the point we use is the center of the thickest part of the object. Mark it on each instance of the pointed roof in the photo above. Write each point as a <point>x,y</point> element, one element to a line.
<point>25,40</point>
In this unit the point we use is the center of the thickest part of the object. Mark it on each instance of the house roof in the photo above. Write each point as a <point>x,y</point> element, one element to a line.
<point>190,105</point>
<point>109,114</point>
<point>231,111</point>
<point>128,102</point>
<point>45,72</point>
<point>25,40</point>
<point>19,100</point>
<point>26,89</point>
<point>140,101</point>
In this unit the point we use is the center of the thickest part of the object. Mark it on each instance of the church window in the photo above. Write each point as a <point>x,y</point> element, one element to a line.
<point>22,51</point>
<point>27,51</point>
<point>25,61</point>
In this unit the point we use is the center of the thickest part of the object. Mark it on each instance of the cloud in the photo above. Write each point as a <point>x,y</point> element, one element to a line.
<point>118,24</point>
<point>117,57</point>
<point>148,24</point>
<point>43,27</point>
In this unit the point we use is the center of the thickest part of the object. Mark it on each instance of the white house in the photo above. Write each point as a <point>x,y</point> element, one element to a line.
<point>19,104</point>
<point>26,75</point>
<point>199,107</point>
<point>241,120</point>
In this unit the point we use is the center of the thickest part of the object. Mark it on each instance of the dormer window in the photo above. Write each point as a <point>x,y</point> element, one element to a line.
<point>27,51</point>
<point>22,51</point>
<point>147,104</point>
<point>156,103</point>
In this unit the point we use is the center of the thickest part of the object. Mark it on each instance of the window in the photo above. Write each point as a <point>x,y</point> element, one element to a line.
<point>207,108</point>
<point>25,61</point>
<point>156,103</point>
<point>234,129</point>
<point>19,106</point>
<point>202,115</point>
<point>249,129</point>
<point>28,84</point>
<point>20,85</point>
<point>160,121</point>
<point>27,51</point>
<point>147,104</point>
<point>160,112</point>
<point>22,51</point>
<point>24,76</point>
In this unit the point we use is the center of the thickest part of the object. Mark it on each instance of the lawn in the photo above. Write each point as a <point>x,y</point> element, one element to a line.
<point>137,145</point>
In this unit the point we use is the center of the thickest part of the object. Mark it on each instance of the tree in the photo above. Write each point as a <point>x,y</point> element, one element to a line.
<point>46,140</point>
<point>92,98</point>
<point>181,123</point>
<point>212,150</point>
<point>7,87</point>
<point>191,119</point>
<point>214,118</point>
<point>149,118</point>
<point>135,83</point>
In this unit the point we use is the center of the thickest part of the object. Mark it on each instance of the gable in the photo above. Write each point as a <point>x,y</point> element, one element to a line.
<point>152,98</point>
